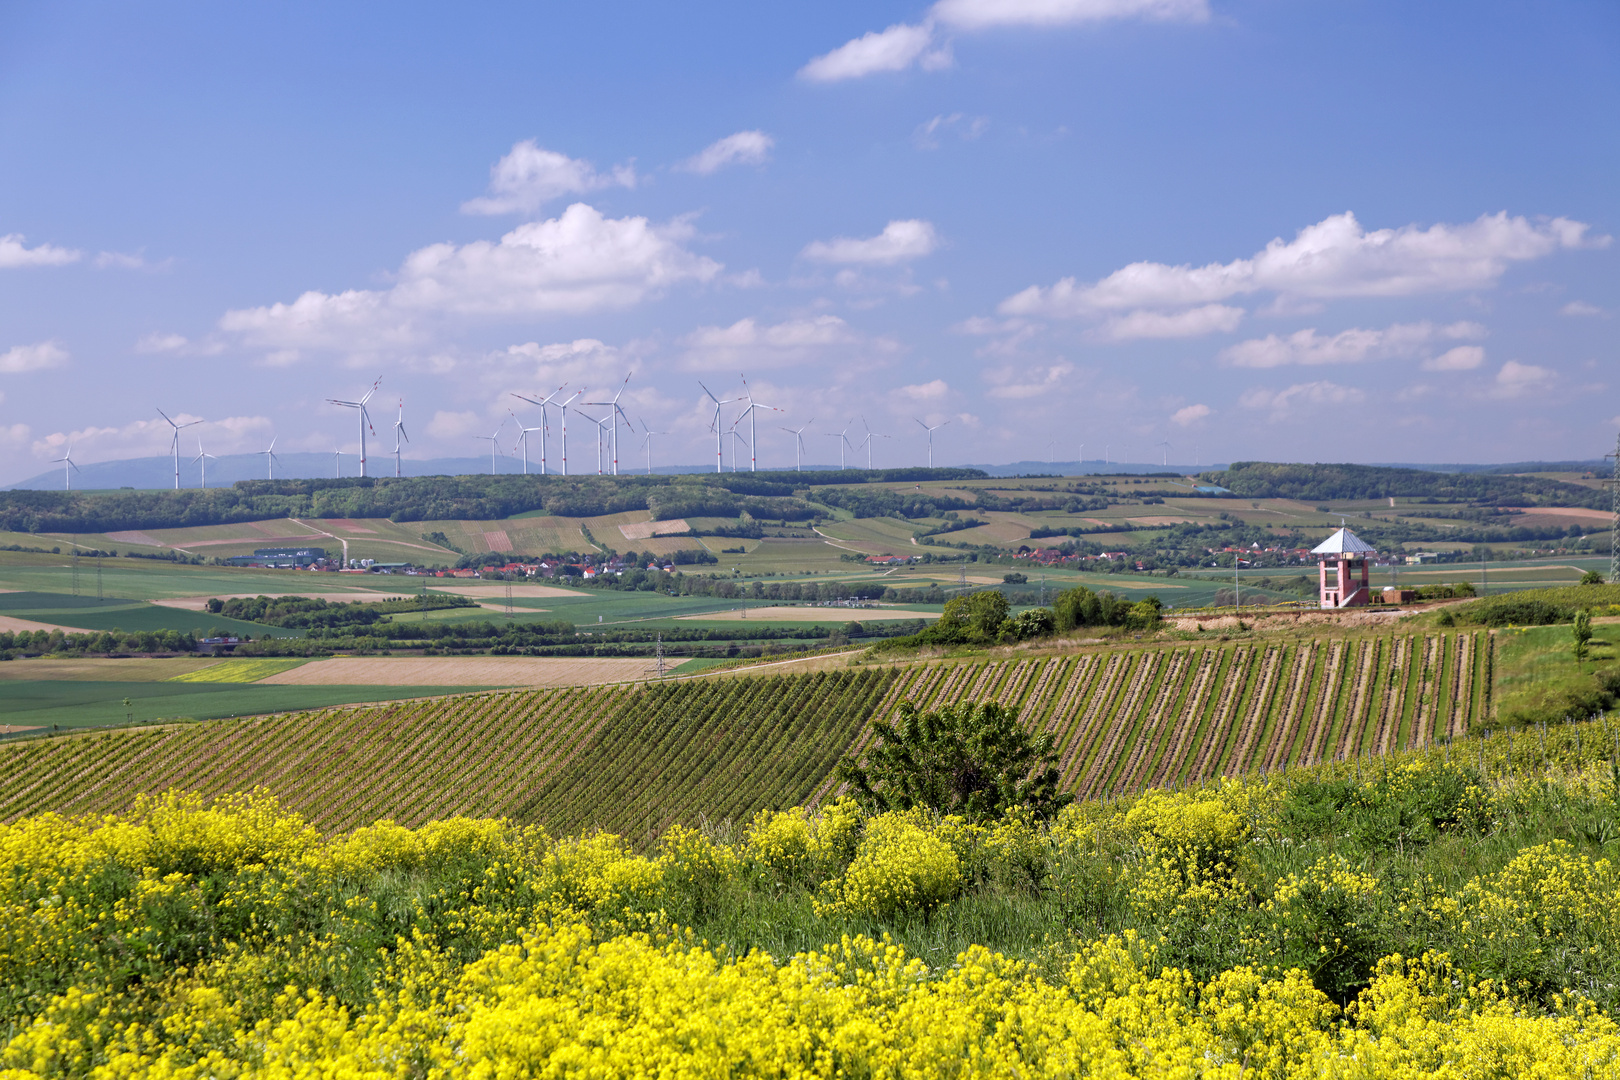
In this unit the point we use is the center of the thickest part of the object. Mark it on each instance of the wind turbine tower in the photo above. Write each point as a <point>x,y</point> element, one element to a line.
<point>494,441</point>
<point>202,459</point>
<point>523,437</point>
<point>867,442</point>
<point>647,442</point>
<point>270,459</point>
<point>399,433</point>
<point>67,463</point>
<point>174,443</point>
<point>798,449</point>
<point>930,431</point>
<point>843,441</point>
<point>1166,445</point>
<point>363,416</point>
<point>714,426</point>
<point>615,414</point>
<point>753,425</point>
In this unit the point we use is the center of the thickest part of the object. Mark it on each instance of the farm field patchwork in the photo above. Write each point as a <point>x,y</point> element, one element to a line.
<point>1123,721</point>
<point>807,614</point>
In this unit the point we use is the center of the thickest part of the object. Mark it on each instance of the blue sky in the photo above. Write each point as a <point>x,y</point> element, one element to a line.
<point>1278,230</point>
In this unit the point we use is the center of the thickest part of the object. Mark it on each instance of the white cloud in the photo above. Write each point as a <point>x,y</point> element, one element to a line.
<point>14,253</point>
<point>147,438</point>
<point>967,128</point>
<point>118,260</point>
<point>15,436</point>
<point>1194,322</point>
<point>529,177</point>
<point>1018,381</point>
<point>161,343</point>
<point>583,360</point>
<point>983,14</point>
<point>577,262</point>
<point>794,341</point>
<point>1462,358</point>
<point>899,241</point>
<point>1189,415</point>
<point>1307,347</point>
<point>22,358</point>
<point>894,49</point>
<point>935,390</point>
<point>455,425</point>
<point>1335,257</point>
<point>1516,379</point>
<point>743,148</point>
<point>1319,395</point>
<point>1580,307</point>
<point>902,45</point>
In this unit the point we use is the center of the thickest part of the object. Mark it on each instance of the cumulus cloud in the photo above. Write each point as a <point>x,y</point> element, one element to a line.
<point>1462,358</point>
<point>784,344</point>
<point>900,241</point>
<point>455,425</point>
<point>24,358</point>
<point>1334,258</point>
<point>1287,402</point>
<point>1307,347</point>
<point>1516,380</point>
<point>1580,307</point>
<point>577,262</point>
<point>935,390</point>
<point>15,253</point>
<point>1194,322</point>
<point>902,45</point>
<point>1016,382</point>
<point>119,260</point>
<point>581,361</point>
<point>1190,415</point>
<point>144,438</point>
<point>161,343</point>
<point>743,148</point>
<point>894,49</point>
<point>530,176</point>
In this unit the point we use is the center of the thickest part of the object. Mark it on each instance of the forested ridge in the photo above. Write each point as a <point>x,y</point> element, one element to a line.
<point>1316,483</point>
<point>431,498</point>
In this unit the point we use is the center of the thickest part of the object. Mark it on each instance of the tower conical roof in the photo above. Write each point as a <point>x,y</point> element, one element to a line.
<point>1343,542</point>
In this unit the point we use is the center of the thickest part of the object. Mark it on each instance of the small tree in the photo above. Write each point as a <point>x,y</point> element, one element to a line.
<point>969,759</point>
<point>1592,577</point>
<point>1581,630</point>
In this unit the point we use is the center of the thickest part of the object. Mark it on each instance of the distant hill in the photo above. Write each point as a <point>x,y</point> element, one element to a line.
<point>1357,483</point>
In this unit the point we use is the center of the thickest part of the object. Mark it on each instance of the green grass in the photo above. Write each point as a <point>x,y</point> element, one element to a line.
<point>1538,678</point>
<point>87,613</point>
<point>90,704</point>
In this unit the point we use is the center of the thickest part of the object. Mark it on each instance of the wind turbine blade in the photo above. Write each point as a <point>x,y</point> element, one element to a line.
<point>403,432</point>
<point>165,416</point>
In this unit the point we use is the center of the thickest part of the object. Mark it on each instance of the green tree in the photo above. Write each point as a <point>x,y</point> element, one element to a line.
<point>1592,577</point>
<point>980,614</point>
<point>969,759</point>
<point>1581,630</point>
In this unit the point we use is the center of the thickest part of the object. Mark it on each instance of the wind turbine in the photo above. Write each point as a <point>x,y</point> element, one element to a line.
<point>337,464</point>
<point>545,421</point>
<point>867,442</point>
<point>714,426</point>
<point>399,433</point>
<point>493,443</point>
<point>930,431</point>
<point>735,435</point>
<point>364,417</point>
<point>175,443</point>
<point>67,477</point>
<point>798,449</point>
<point>270,458</point>
<point>564,407</point>
<point>753,425</point>
<point>202,458</point>
<point>843,441</point>
<point>647,442</point>
<point>1166,445</point>
<point>614,414</point>
<point>599,425</point>
<point>523,438</point>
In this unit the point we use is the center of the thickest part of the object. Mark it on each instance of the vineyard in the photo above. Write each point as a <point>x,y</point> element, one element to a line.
<point>635,759</point>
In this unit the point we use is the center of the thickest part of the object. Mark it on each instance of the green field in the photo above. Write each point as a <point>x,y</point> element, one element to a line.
<point>43,703</point>
<point>88,613</point>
